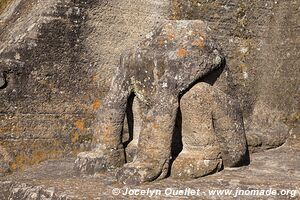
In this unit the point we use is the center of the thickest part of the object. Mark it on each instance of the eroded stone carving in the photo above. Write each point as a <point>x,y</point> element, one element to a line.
<point>212,133</point>
<point>167,63</point>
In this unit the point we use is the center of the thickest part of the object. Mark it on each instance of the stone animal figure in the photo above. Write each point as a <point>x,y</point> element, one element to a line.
<point>172,58</point>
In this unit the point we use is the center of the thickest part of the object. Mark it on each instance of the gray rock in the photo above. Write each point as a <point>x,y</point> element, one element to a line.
<point>264,173</point>
<point>262,58</point>
<point>60,56</point>
<point>172,59</point>
<point>212,133</point>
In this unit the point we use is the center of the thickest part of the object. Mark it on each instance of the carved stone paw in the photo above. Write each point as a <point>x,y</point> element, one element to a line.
<point>140,172</point>
<point>99,160</point>
<point>131,152</point>
<point>194,165</point>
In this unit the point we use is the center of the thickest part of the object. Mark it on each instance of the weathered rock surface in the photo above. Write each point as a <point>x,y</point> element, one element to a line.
<point>261,43</point>
<point>45,105</point>
<point>57,62</point>
<point>57,58</point>
<point>174,56</point>
<point>212,133</point>
<point>277,169</point>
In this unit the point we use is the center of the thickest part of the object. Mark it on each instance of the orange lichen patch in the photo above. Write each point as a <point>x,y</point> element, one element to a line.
<point>4,4</point>
<point>30,152</point>
<point>16,129</point>
<point>181,53</point>
<point>75,138</point>
<point>23,161</point>
<point>5,129</point>
<point>155,126</point>
<point>80,125</point>
<point>96,104</point>
<point>199,43</point>
<point>171,36</point>
<point>19,163</point>
<point>202,35</point>
<point>106,134</point>
<point>242,67</point>
<point>13,129</point>
<point>161,41</point>
<point>94,77</point>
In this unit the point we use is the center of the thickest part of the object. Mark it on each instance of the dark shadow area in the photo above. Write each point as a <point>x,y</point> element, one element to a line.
<point>130,122</point>
<point>210,78</point>
<point>246,159</point>
<point>177,145</point>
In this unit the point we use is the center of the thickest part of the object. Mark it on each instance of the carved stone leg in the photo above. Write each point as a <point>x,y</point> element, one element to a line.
<point>201,151</point>
<point>229,128</point>
<point>131,149</point>
<point>154,145</point>
<point>108,152</point>
<point>212,132</point>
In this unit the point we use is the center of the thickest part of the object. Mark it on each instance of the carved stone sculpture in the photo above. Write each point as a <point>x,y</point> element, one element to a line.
<point>212,133</point>
<point>172,58</point>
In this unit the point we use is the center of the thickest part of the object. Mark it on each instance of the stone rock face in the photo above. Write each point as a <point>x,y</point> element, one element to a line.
<point>115,26</point>
<point>175,56</point>
<point>56,179</point>
<point>260,41</point>
<point>45,105</point>
<point>58,58</point>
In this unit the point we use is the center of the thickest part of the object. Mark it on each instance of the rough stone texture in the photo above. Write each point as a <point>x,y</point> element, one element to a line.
<point>277,169</point>
<point>172,58</point>
<point>115,26</point>
<point>2,80</point>
<point>133,123</point>
<point>261,43</point>
<point>56,60</point>
<point>45,106</point>
<point>212,133</point>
